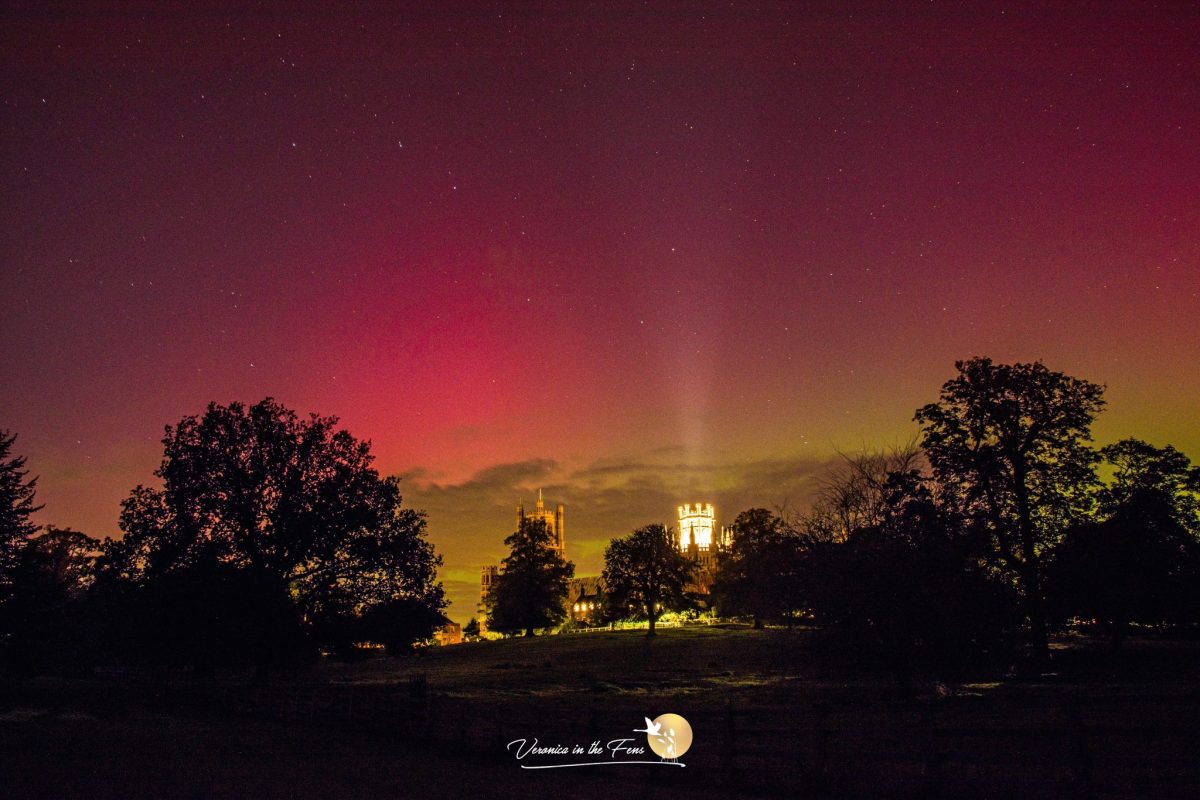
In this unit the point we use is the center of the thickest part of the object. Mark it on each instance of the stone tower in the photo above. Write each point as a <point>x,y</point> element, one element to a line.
<point>696,522</point>
<point>487,579</point>
<point>554,523</point>
<point>553,519</point>
<point>699,538</point>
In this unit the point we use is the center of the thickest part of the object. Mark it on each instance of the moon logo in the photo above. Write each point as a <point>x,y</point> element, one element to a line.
<point>670,736</point>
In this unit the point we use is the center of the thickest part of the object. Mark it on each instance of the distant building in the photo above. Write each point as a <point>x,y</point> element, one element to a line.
<point>700,539</point>
<point>553,519</point>
<point>697,533</point>
<point>555,522</point>
<point>585,597</point>
<point>697,536</point>
<point>487,579</point>
<point>450,633</point>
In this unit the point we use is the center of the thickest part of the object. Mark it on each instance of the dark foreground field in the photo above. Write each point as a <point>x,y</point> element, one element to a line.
<point>768,718</point>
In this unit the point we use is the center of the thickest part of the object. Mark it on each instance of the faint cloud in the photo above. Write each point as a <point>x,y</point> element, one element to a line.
<point>468,521</point>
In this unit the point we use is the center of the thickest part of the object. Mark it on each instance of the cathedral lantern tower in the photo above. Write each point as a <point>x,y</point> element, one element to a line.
<point>696,522</point>
<point>700,539</point>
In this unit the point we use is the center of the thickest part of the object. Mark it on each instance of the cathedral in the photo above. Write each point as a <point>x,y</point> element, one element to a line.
<point>555,523</point>
<point>553,520</point>
<point>696,534</point>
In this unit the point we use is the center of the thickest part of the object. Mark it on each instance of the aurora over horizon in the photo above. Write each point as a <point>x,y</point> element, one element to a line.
<point>633,256</point>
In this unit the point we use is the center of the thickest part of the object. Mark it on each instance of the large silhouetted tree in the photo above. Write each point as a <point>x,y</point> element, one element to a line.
<point>1011,442</point>
<point>912,592</point>
<point>646,571</point>
<point>1140,561</point>
<point>531,590</point>
<point>758,574</point>
<point>275,518</point>
<point>17,491</point>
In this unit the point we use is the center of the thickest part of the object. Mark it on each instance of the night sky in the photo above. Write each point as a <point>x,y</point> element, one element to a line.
<point>636,254</point>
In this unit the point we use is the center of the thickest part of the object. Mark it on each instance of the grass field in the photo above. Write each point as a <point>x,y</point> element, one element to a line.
<point>770,719</point>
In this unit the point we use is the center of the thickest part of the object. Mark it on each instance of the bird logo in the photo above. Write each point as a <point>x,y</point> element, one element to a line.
<point>669,735</point>
<point>651,729</point>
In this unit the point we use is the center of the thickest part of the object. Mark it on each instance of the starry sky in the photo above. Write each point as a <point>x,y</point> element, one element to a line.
<point>636,254</point>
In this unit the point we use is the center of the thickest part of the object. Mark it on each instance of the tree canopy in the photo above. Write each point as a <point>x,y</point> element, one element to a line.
<point>1139,560</point>
<point>1010,443</point>
<point>758,574</point>
<point>646,571</point>
<point>854,493</point>
<point>293,507</point>
<point>1139,467</point>
<point>46,616</point>
<point>17,492</point>
<point>911,592</point>
<point>531,590</point>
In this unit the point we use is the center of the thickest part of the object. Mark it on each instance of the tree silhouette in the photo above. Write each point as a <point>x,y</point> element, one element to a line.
<point>1139,467</point>
<point>49,624</point>
<point>758,574</point>
<point>1010,442</point>
<point>645,570</point>
<point>853,494</point>
<point>912,592</point>
<point>602,613</point>
<point>1141,561</point>
<point>397,623</point>
<point>1138,565</point>
<point>16,506</point>
<point>531,590</point>
<point>281,512</point>
<point>203,615</point>
<point>471,628</point>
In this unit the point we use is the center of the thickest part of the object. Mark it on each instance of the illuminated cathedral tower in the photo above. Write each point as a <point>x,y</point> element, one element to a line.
<point>553,520</point>
<point>696,526</point>
<point>699,538</point>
